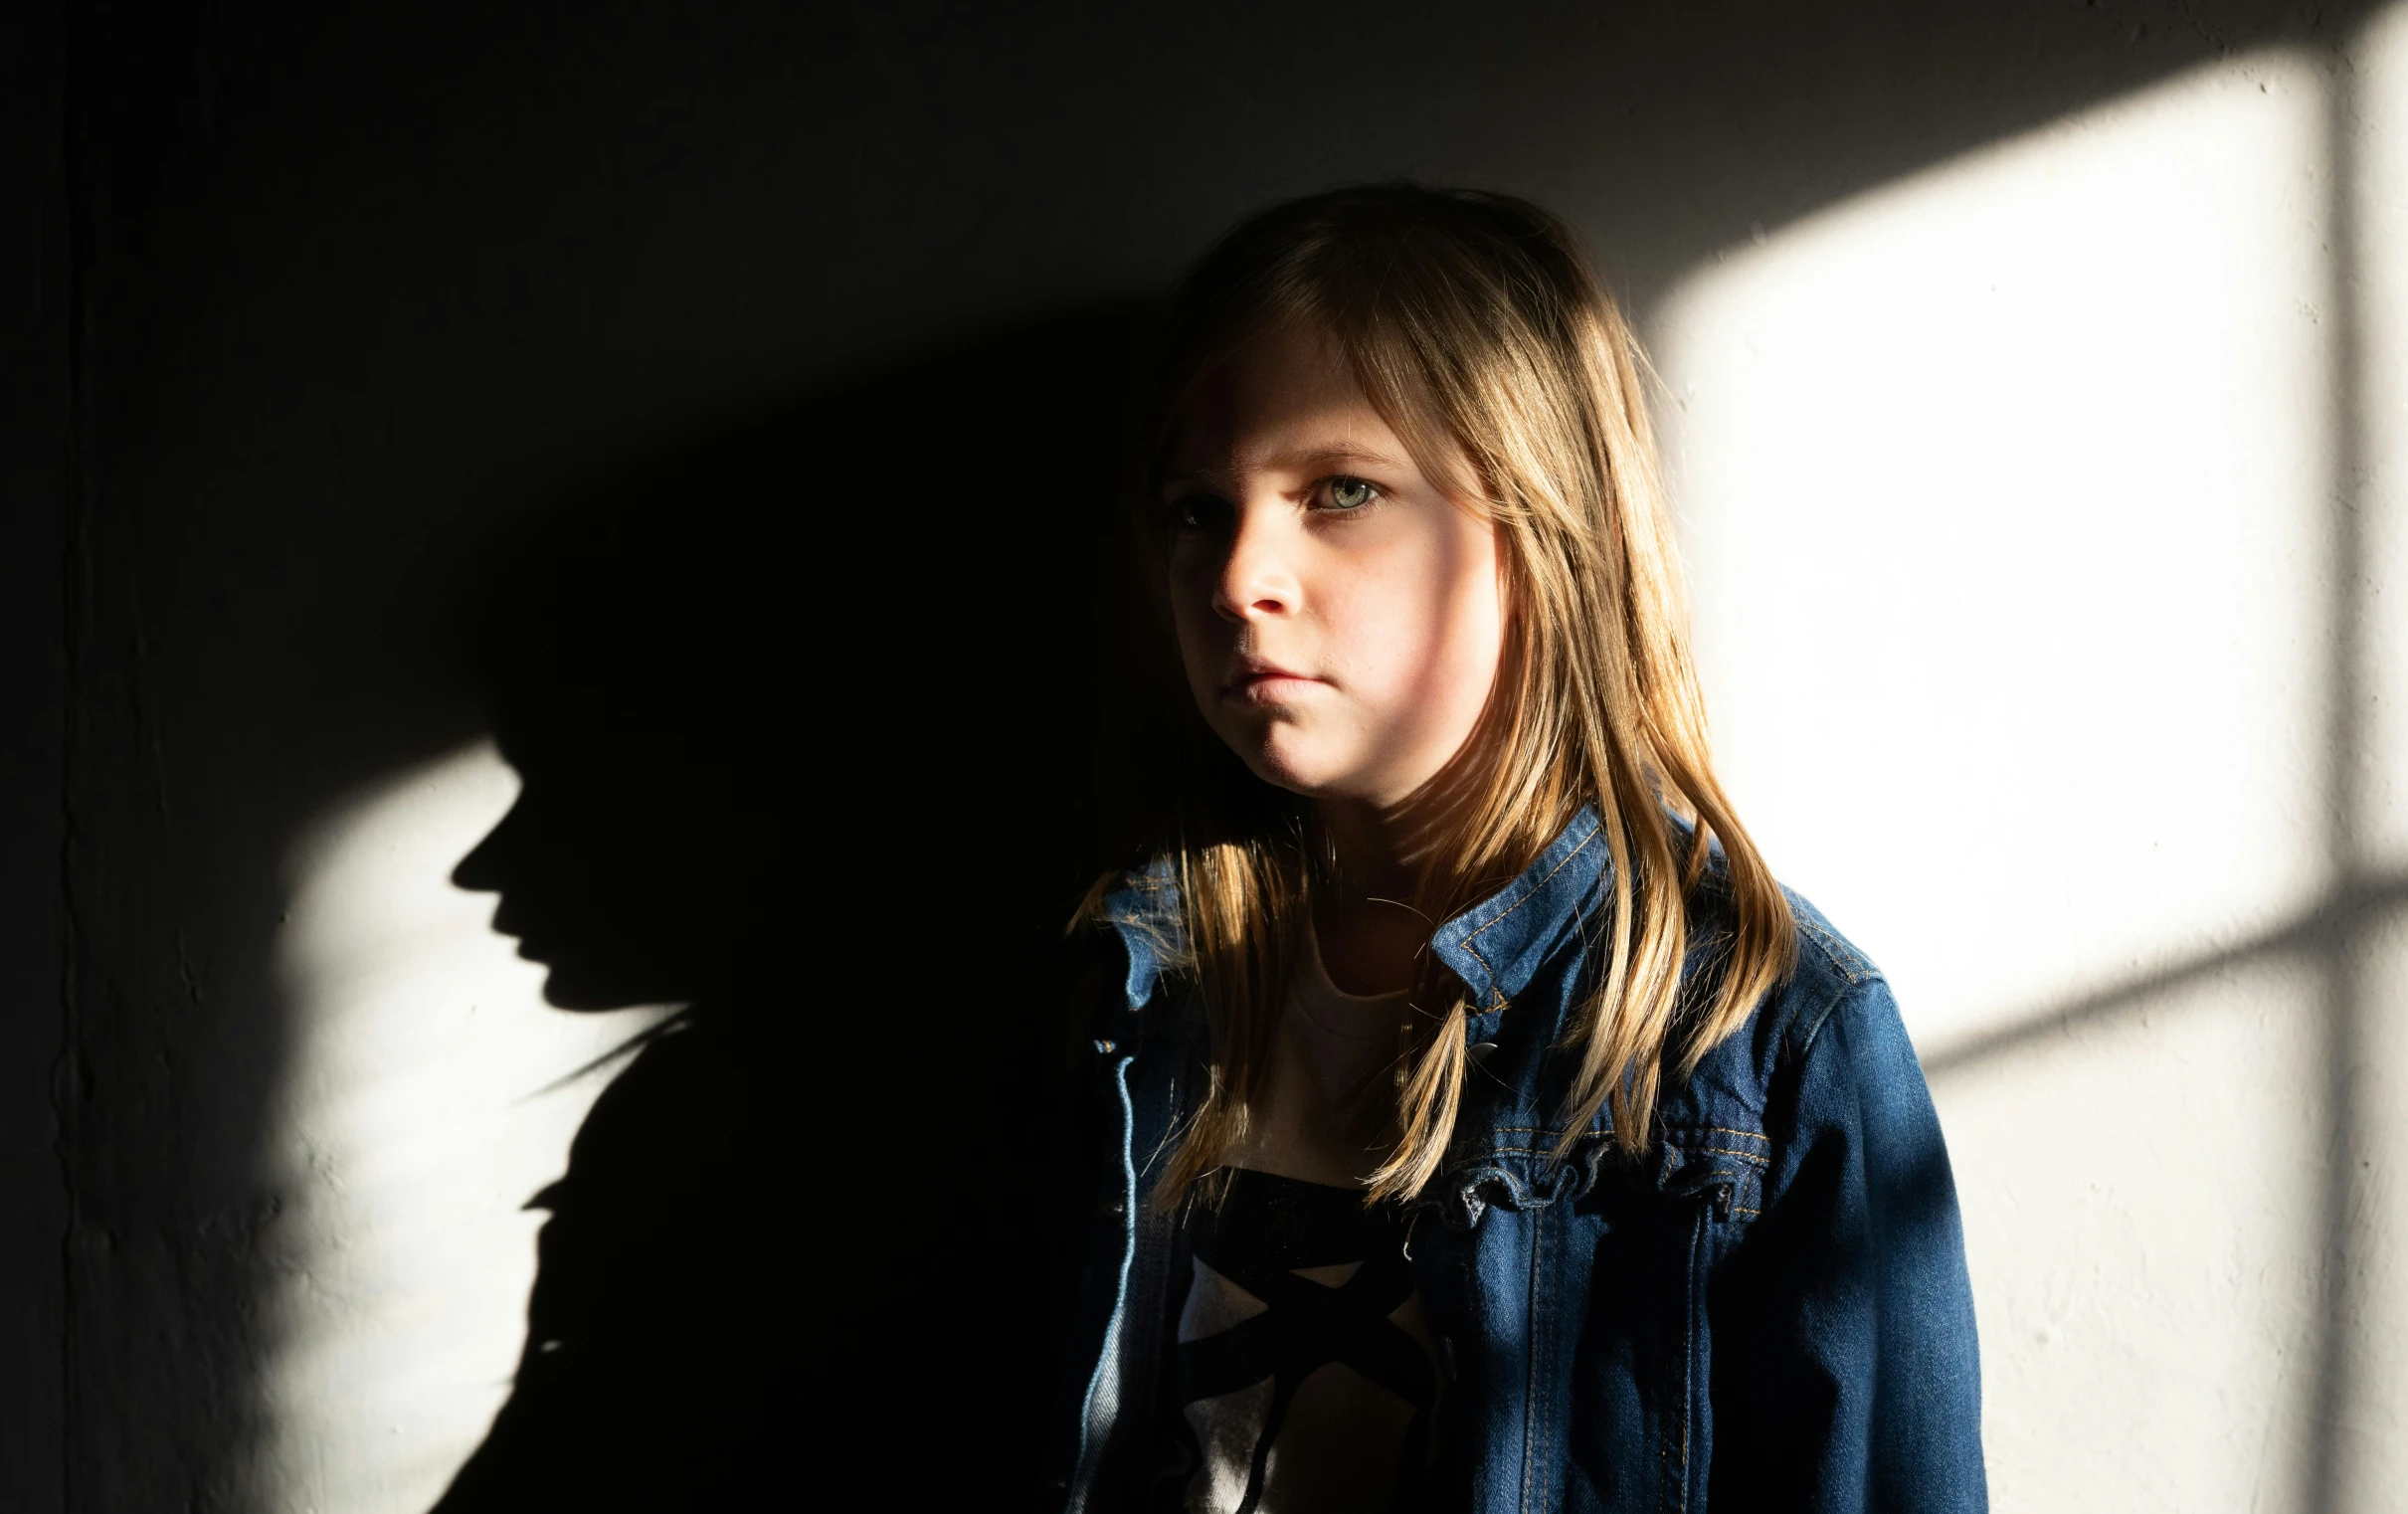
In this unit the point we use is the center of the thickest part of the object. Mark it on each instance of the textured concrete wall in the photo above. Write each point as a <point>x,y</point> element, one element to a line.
<point>2044,515</point>
<point>361,295</point>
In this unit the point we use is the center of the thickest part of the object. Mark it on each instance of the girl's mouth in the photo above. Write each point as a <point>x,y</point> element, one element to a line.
<point>1259,682</point>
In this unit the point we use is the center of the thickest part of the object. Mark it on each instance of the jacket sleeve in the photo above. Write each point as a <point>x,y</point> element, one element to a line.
<point>1858,1383</point>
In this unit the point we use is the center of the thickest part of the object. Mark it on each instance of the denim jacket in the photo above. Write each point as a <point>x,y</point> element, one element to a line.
<point>1770,1312</point>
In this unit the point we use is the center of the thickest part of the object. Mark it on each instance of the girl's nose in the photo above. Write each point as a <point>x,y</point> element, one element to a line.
<point>1258,577</point>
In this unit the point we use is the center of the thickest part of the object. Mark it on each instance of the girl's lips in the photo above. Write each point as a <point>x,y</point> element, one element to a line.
<point>1270,685</point>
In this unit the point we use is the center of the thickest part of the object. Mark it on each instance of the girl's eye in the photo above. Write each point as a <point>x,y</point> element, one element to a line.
<point>1351,493</point>
<point>1199,512</point>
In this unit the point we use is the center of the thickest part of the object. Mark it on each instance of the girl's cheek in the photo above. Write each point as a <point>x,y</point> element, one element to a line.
<point>1192,620</point>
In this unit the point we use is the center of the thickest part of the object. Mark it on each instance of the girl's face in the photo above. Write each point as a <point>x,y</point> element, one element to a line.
<point>1340,618</point>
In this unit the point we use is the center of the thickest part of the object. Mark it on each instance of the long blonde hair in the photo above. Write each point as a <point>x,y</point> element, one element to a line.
<point>1476,328</point>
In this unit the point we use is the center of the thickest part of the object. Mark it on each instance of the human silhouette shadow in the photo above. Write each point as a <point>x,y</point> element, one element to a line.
<point>809,718</point>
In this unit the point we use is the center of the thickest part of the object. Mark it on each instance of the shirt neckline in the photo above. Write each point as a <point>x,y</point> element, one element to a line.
<point>1315,983</point>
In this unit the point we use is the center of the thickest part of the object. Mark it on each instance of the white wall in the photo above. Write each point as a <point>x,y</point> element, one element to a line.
<point>432,1093</point>
<point>2024,507</point>
<point>2013,490</point>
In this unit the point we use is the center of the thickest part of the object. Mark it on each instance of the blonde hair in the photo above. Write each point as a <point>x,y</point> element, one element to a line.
<point>1476,328</point>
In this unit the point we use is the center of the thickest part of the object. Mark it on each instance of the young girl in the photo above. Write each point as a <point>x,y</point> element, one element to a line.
<point>1488,1130</point>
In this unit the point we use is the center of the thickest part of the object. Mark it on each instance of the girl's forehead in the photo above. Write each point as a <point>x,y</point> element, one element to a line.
<point>1287,398</point>
<point>1287,367</point>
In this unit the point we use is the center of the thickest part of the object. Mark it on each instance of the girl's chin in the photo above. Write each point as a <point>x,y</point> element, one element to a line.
<point>1304,774</point>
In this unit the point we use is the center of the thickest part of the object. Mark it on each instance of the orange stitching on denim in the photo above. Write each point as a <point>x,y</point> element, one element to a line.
<point>1741,1209</point>
<point>1535,1436</point>
<point>1832,948</point>
<point>1749,1158</point>
<point>1754,1158</point>
<point>1745,1135</point>
<point>1549,1130</point>
<point>1517,903</point>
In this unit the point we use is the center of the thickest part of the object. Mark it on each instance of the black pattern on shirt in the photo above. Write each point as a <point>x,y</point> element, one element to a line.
<point>1237,1381</point>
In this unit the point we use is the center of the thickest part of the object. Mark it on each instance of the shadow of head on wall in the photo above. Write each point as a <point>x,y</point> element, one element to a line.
<point>809,718</point>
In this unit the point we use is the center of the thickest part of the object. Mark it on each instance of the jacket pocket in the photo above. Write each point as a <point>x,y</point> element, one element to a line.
<point>1724,1162</point>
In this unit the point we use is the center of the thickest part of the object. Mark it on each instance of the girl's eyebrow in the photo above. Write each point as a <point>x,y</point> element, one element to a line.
<point>1301,460</point>
<point>1324,456</point>
<point>1210,477</point>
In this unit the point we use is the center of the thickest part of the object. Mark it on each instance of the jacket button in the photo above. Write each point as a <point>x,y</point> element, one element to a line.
<point>1479,1052</point>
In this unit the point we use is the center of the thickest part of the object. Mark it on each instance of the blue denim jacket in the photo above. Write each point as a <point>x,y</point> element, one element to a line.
<point>1771,1312</point>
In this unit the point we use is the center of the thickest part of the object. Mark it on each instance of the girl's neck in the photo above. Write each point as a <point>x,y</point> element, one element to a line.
<point>1365,912</point>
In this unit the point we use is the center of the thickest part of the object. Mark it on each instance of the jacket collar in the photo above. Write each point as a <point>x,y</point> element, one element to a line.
<point>1145,912</point>
<point>1496,947</point>
<point>1499,944</point>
